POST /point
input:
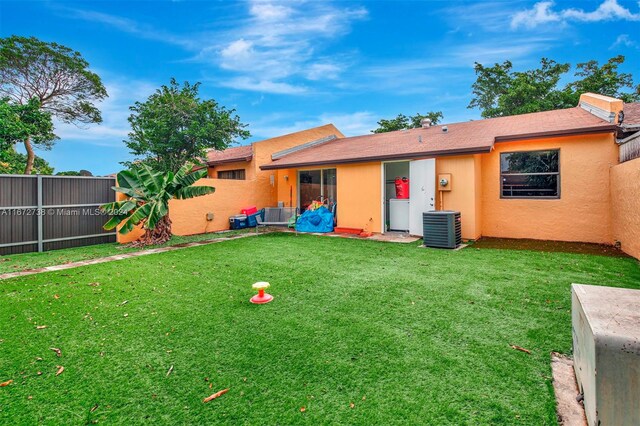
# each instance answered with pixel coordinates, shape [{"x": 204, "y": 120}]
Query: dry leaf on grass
[
  {"x": 215, "y": 395},
  {"x": 352, "y": 405},
  {"x": 521, "y": 349},
  {"x": 94, "y": 408},
  {"x": 40, "y": 327},
  {"x": 57, "y": 351},
  {"x": 55, "y": 296},
  {"x": 302, "y": 409},
  {"x": 60, "y": 370},
  {"x": 7, "y": 383},
  {"x": 170, "y": 370}
]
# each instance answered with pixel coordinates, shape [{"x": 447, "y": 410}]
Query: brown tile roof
[
  {"x": 467, "y": 137},
  {"x": 230, "y": 155},
  {"x": 631, "y": 113}
]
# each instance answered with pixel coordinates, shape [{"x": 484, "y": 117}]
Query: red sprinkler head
[{"x": 261, "y": 297}]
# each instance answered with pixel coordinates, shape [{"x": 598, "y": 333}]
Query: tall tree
[
  {"x": 491, "y": 84},
  {"x": 56, "y": 76},
  {"x": 174, "y": 126},
  {"x": 534, "y": 90},
  {"x": 12, "y": 162},
  {"x": 401, "y": 122},
  {"x": 605, "y": 80},
  {"x": 20, "y": 123},
  {"x": 499, "y": 91}
]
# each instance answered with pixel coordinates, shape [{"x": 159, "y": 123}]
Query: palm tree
[{"x": 148, "y": 193}]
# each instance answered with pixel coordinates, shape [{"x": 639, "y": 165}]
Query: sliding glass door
[{"x": 317, "y": 185}]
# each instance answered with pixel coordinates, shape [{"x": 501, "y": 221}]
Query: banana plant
[{"x": 148, "y": 193}]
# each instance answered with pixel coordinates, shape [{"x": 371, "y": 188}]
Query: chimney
[
  {"x": 425, "y": 122},
  {"x": 603, "y": 107}
]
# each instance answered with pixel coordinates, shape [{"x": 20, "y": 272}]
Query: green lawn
[
  {"x": 21, "y": 262},
  {"x": 359, "y": 332}
]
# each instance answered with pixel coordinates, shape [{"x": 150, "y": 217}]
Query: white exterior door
[{"x": 422, "y": 192}]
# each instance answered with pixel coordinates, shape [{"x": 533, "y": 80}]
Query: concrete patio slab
[{"x": 570, "y": 411}]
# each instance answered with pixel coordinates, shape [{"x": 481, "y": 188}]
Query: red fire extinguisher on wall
[{"x": 402, "y": 187}]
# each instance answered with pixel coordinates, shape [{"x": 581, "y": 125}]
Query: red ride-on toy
[{"x": 261, "y": 297}]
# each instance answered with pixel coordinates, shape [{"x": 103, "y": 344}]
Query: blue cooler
[{"x": 238, "y": 221}]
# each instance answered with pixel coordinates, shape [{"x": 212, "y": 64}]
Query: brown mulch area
[{"x": 548, "y": 246}]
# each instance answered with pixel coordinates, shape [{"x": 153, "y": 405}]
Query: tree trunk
[
  {"x": 30, "y": 156},
  {"x": 159, "y": 235}
]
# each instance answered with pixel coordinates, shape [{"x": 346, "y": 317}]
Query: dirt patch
[{"x": 548, "y": 246}]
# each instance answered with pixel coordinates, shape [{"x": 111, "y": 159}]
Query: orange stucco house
[
  {"x": 544, "y": 175},
  {"x": 239, "y": 182},
  {"x": 551, "y": 175}
]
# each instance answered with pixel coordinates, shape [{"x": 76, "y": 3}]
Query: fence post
[{"x": 40, "y": 213}]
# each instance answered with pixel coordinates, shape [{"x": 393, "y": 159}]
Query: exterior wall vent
[{"x": 442, "y": 229}]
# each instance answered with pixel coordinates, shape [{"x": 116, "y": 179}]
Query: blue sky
[{"x": 286, "y": 66}]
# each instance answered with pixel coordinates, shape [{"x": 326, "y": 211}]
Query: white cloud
[
  {"x": 354, "y": 124},
  {"x": 543, "y": 13},
  {"x": 492, "y": 50},
  {"x": 277, "y": 44},
  {"x": 238, "y": 55},
  {"x": 267, "y": 50},
  {"x": 270, "y": 12},
  {"x": 490, "y": 16},
  {"x": 321, "y": 71},
  {"x": 130, "y": 26},
  {"x": 258, "y": 101},
  {"x": 623, "y": 40},
  {"x": 263, "y": 85},
  {"x": 609, "y": 10},
  {"x": 357, "y": 123},
  {"x": 448, "y": 67}
]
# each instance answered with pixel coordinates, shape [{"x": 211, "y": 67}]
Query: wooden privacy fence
[{"x": 40, "y": 213}]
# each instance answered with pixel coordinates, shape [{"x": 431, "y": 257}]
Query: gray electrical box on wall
[{"x": 606, "y": 352}]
